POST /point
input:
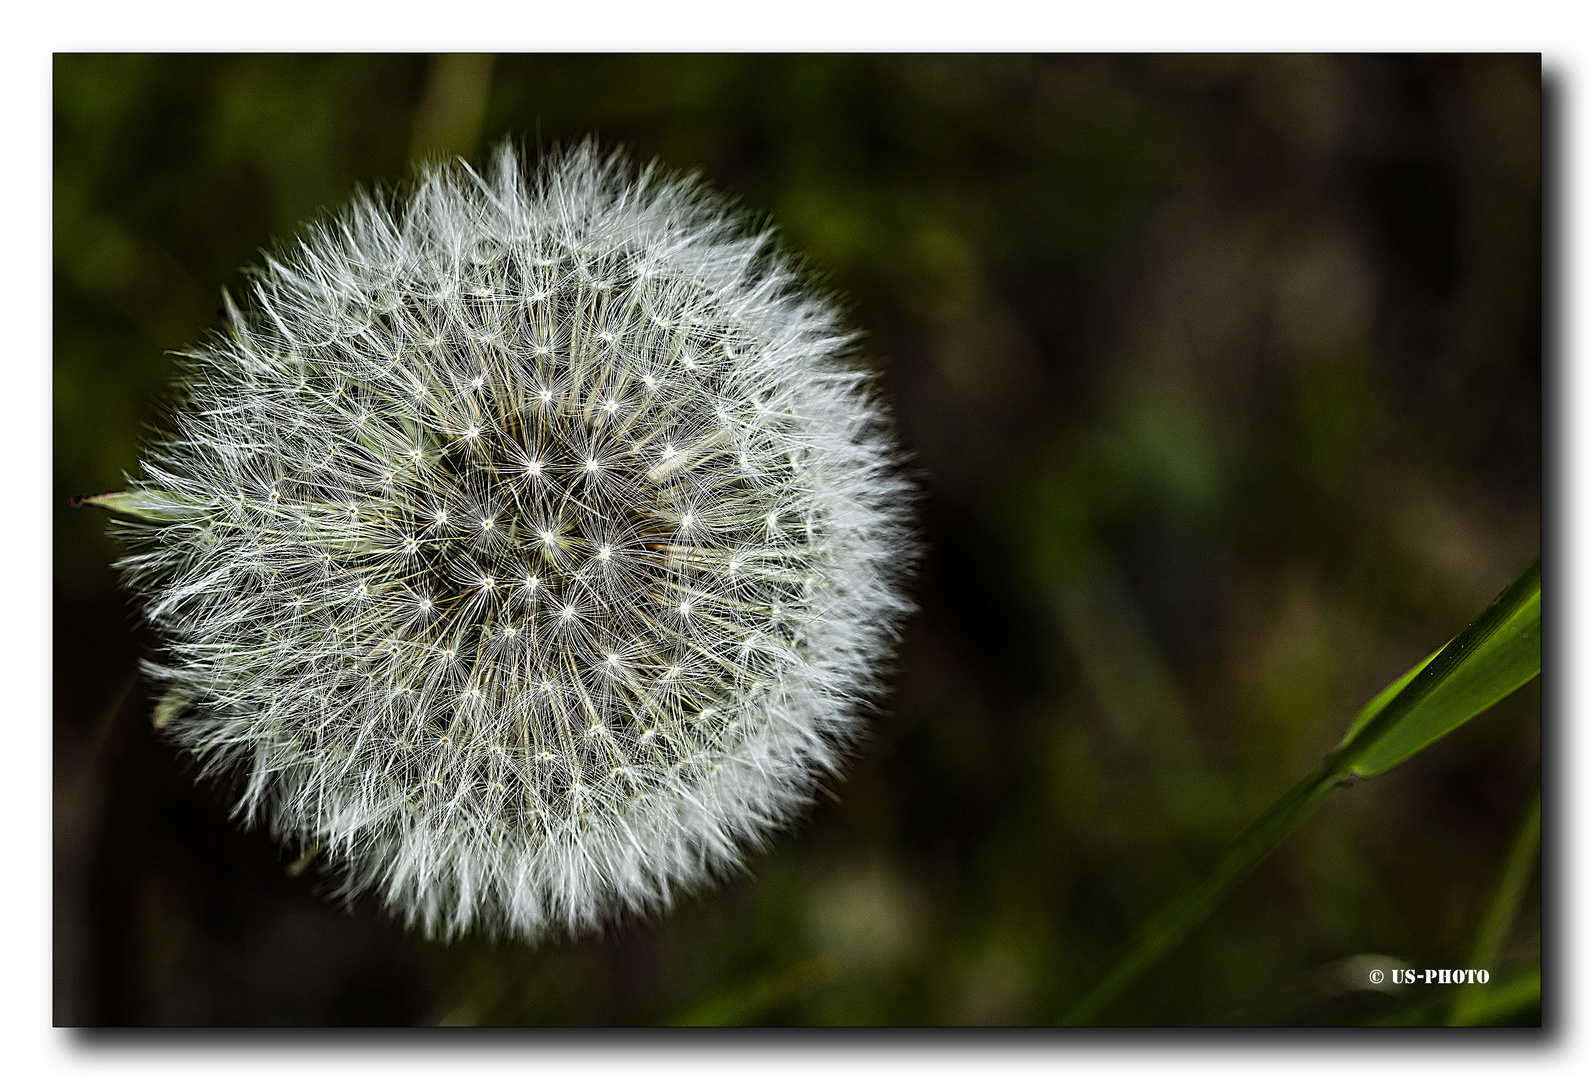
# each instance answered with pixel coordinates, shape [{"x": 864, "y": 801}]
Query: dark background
[{"x": 1223, "y": 379}]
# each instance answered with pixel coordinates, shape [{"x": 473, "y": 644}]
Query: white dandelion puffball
[{"x": 527, "y": 544}]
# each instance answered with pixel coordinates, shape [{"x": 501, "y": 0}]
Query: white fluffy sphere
[{"x": 528, "y": 543}]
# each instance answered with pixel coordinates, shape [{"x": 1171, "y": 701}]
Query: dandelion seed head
[{"x": 575, "y": 698}]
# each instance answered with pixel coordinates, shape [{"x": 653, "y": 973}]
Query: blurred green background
[{"x": 1222, "y": 377}]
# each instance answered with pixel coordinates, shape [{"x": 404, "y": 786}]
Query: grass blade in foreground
[
  {"x": 1504, "y": 1000},
  {"x": 1494, "y": 655},
  {"x": 1470, "y": 1001},
  {"x": 749, "y": 1004}
]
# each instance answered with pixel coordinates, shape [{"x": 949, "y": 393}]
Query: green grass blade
[
  {"x": 1165, "y": 932},
  {"x": 1501, "y": 913},
  {"x": 1503, "y": 1000},
  {"x": 1376, "y": 706},
  {"x": 1493, "y": 656},
  {"x": 749, "y": 1004}
]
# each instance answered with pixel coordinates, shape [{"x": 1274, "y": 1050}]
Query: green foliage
[
  {"x": 1479, "y": 1003},
  {"x": 1500, "y": 1001},
  {"x": 1494, "y": 655},
  {"x": 751, "y": 1003}
]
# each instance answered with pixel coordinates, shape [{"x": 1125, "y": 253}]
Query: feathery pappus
[{"x": 529, "y": 542}]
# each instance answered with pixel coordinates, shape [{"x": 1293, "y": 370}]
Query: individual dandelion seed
[{"x": 526, "y": 544}]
